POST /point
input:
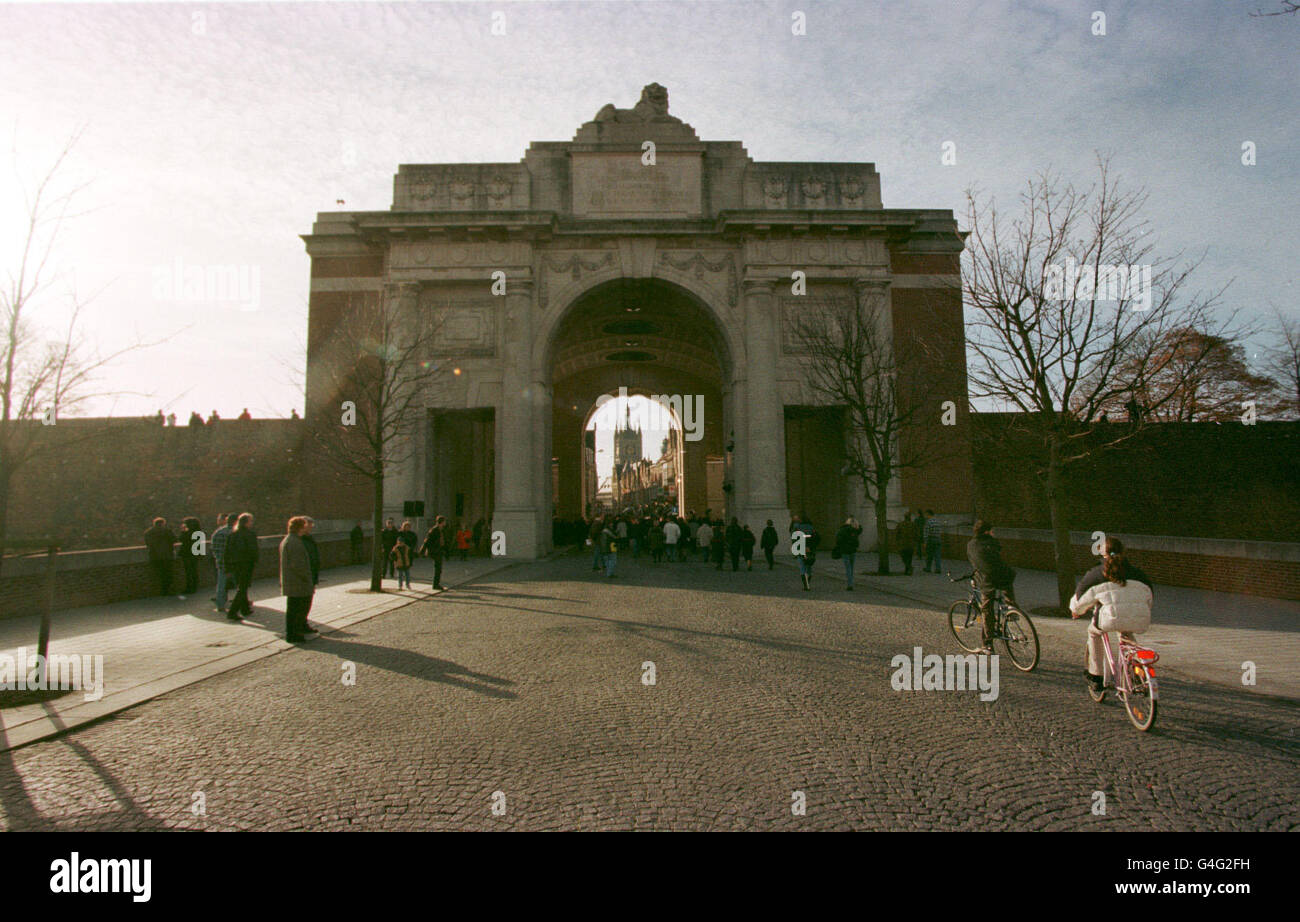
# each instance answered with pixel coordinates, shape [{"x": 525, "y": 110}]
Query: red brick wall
[
  {"x": 116, "y": 582},
  {"x": 1278, "y": 579}
]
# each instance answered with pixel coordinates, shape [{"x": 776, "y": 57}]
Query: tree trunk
[
  {"x": 881, "y": 503},
  {"x": 4, "y": 513},
  {"x": 377, "y": 545},
  {"x": 1056, "y": 500}
]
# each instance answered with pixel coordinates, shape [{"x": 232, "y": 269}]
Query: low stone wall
[
  {"x": 116, "y": 574},
  {"x": 1263, "y": 568}
]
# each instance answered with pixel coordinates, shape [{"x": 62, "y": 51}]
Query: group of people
[
  {"x": 401, "y": 546},
  {"x": 676, "y": 538},
  {"x": 233, "y": 551}
]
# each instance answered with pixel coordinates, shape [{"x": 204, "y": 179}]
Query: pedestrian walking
[
  {"x": 747, "y": 542},
  {"x": 402, "y": 563},
  {"x": 159, "y": 542},
  {"x": 933, "y": 542},
  {"x": 704, "y": 540},
  {"x": 609, "y": 549},
  {"x": 805, "y": 550},
  {"x": 655, "y": 538},
  {"x": 388, "y": 537},
  {"x": 735, "y": 538},
  {"x": 296, "y": 583},
  {"x": 435, "y": 546},
  {"x": 220, "y": 537},
  {"x": 672, "y": 534},
  {"x": 356, "y": 537},
  {"x": 768, "y": 542},
  {"x": 241, "y": 559},
  {"x": 847, "y": 539},
  {"x": 905, "y": 538},
  {"x": 919, "y": 521},
  {"x": 717, "y": 550},
  {"x": 463, "y": 538}
]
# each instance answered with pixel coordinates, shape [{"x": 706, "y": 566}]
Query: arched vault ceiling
[{"x": 637, "y": 323}]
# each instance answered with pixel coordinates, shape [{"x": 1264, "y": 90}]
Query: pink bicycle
[{"x": 1132, "y": 669}]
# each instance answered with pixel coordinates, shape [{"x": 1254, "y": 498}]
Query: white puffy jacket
[{"x": 1123, "y": 608}]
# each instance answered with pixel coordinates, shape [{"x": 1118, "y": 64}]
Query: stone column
[
  {"x": 515, "y": 510},
  {"x": 405, "y": 480},
  {"x": 764, "y": 492}
]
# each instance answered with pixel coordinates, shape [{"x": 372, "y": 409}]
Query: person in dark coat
[
  {"x": 313, "y": 549},
  {"x": 435, "y": 546},
  {"x": 159, "y": 541},
  {"x": 991, "y": 572},
  {"x": 735, "y": 538},
  {"x": 241, "y": 560},
  {"x": 189, "y": 559},
  {"x": 802, "y": 526},
  {"x": 388, "y": 538},
  {"x": 747, "y": 542},
  {"x": 356, "y": 537},
  {"x": 905, "y": 538},
  {"x": 718, "y": 545},
  {"x": 768, "y": 542},
  {"x": 847, "y": 538},
  {"x": 296, "y": 580}
]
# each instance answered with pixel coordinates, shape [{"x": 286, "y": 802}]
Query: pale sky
[{"x": 213, "y": 134}]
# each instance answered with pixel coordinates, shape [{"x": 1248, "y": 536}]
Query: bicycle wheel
[
  {"x": 964, "y": 622},
  {"x": 1140, "y": 702},
  {"x": 1020, "y": 639}
]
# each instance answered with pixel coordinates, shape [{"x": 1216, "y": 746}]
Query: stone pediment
[{"x": 648, "y": 120}]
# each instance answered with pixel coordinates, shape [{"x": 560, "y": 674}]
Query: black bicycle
[{"x": 1010, "y": 625}]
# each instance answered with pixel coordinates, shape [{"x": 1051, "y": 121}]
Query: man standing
[
  {"x": 919, "y": 521},
  {"x": 769, "y": 542},
  {"x": 190, "y": 526},
  {"x": 241, "y": 560},
  {"x": 220, "y": 538},
  {"x": 159, "y": 541},
  {"x": 735, "y": 540},
  {"x": 704, "y": 540},
  {"x": 356, "y": 537},
  {"x": 296, "y": 581},
  {"x": 846, "y": 548},
  {"x": 388, "y": 539},
  {"x": 672, "y": 534},
  {"x": 435, "y": 546},
  {"x": 905, "y": 538},
  {"x": 609, "y": 549},
  {"x": 933, "y": 542}
]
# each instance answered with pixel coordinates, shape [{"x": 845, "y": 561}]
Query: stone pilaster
[
  {"x": 516, "y": 505},
  {"x": 764, "y": 494}
]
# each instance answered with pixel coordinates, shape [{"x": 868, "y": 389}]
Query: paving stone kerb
[
  {"x": 158, "y": 645},
  {"x": 529, "y": 682}
]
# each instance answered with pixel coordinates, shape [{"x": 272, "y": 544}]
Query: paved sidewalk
[
  {"x": 155, "y": 645},
  {"x": 1201, "y": 635}
]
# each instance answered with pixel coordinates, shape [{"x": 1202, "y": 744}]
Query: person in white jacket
[{"x": 1122, "y": 594}]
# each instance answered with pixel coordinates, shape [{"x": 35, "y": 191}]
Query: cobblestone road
[{"x": 529, "y": 683}]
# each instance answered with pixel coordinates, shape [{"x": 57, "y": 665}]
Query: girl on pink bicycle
[{"x": 1122, "y": 594}]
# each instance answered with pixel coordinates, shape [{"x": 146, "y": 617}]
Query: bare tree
[
  {"x": 382, "y": 363},
  {"x": 1282, "y": 361},
  {"x": 45, "y": 374},
  {"x": 854, "y": 362},
  {"x": 1069, "y": 309}
]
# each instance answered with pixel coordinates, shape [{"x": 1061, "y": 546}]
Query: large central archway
[{"x": 651, "y": 337}]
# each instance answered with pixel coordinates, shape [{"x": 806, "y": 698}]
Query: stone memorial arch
[{"x": 634, "y": 255}]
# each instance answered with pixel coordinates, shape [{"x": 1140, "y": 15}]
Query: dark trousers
[
  {"x": 735, "y": 558},
  {"x": 437, "y": 571},
  {"x": 241, "y": 605},
  {"x": 906, "y": 554},
  {"x": 356, "y": 553},
  {"x": 295, "y": 617},
  {"x": 191, "y": 565},
  {"x": 162, "y": 570},
  {"x": 767, "y": 552}
]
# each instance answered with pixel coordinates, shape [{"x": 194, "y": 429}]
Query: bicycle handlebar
[{"x": 960, "y": 579}]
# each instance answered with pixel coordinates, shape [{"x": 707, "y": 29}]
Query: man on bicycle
[
  {"x": 991, "y": 574},
  {"x": 1121, "y": 594}
]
